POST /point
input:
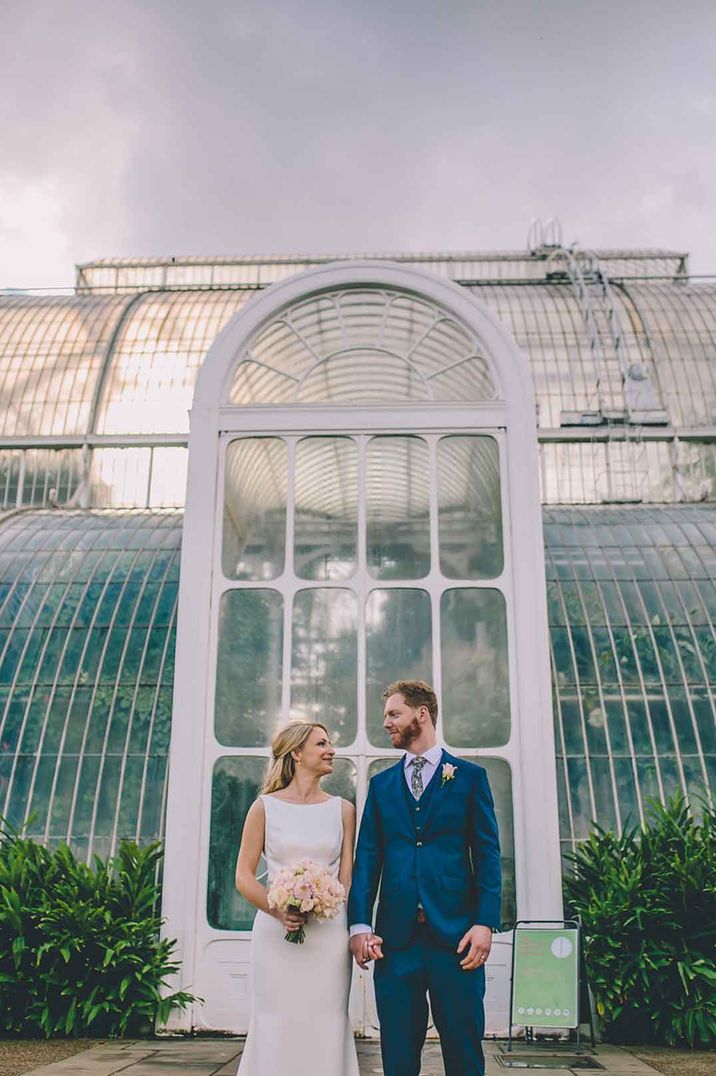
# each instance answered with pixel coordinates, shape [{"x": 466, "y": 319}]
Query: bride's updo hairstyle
[{"x": 282, "y": 765}]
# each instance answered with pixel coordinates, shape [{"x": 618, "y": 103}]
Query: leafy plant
[
  {"x": 647, "y": 902},
  {"x": 80, "y": 952}
]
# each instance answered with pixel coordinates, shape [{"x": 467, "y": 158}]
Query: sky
[{"x": 172, "y": 127}]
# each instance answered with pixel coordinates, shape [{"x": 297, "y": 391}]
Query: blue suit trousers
[{"x": 402, "y": 979}]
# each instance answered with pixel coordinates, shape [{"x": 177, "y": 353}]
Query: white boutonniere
[{"x": 448, "y": 773}]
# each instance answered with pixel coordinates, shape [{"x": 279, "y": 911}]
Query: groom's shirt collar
[{"x": 433, "y": 755}]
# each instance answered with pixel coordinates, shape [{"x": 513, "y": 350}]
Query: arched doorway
[{"x": 362, "y": 504}]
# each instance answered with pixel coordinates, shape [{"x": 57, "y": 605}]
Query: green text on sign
[{"x": 545, "y": 977}]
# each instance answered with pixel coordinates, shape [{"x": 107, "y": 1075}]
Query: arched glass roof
[
  {"x": 87, "y": 616},
  {"x": 362, "y": 345},
  {"x": 677, "y": 327},
  {"x": 108, "y": 365},
  {"x": 127, "y": 364},
  {"x": 51, "y": 355}
]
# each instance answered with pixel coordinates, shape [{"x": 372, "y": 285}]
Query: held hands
[
  {"x": 366, "y": 947},
  {"x": 478, "y": 942}
]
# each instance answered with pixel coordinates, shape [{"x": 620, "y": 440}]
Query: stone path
[{"x": 220, "y": 1057}]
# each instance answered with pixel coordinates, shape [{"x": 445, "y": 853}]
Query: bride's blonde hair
[{"x": 282, "y": 765}]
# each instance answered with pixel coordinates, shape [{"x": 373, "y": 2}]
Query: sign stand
[{"x": 546, "y": 977}]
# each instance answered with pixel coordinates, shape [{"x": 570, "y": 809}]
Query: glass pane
[
  {"x": 500, "y": 778},
  {"x": 476, "y": 703},
  {"x": 361, "y": 345},
  {"x": 248, "y": 667},
  {"x": 398, "y": 647},
  {"x": 255, "y": 491},
  {"x": 376, "y": 765},
  {"x": 324, "y": 660},
  {"x": 342, "y": 781},
  {"x": 326, "y": 508},
  {"x": 398, "y": 507},
  {"x": 234, "y": 787},
  {"x": 470, "y": 512}
]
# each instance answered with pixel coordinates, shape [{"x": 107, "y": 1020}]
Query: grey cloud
[{"x": 299, "y": 125}]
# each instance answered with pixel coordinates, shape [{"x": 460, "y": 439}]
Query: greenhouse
[{"x": 234, "y": 489}]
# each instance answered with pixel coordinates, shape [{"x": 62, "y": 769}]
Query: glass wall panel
[
  {"x": 475, "y": 677},
  {"x": 398, "y": 647},
  {"x": 634, "y": 677},
  {"x": 469, "y": 507},
  {"x": 324, "y": 685},
  {"x": 236, "y": 782},
  {"x": 248, "y": 668},
  {"x": 87, "y": 638},
  {"x": 398, "y": 507},
  {"x": 326, "y": 508},
  {"x": 255, "y": 494}
]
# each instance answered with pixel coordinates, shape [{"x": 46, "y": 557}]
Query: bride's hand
[{"x": 291, "y": 919}]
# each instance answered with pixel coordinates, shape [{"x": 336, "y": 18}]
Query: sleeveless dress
[{"x": 299, "y": 1005}]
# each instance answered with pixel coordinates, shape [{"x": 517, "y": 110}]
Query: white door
[{"x": 342, "y": 547}]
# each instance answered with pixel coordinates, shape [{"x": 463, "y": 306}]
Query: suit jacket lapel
[
  {"x": 400, "y": 792},
  {"x": 437, "y": 791}
]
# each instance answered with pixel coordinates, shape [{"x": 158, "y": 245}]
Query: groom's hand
[
  {"x": 478, "y": 942},
  {"x": 366, "y": 947}
]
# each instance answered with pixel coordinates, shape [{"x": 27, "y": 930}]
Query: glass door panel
[
  {"x": 398, "y": 645},
  {"x": 255, "y": 494},
  {"x": 398, "y": 507},
  {"x": 236, "y": 782},
  {"x": 235, "y": 785},
  {"x": 469, "y": 507},
  {"x": 324, "y": 667},
  {"x": 326, "y": 508},
  {"x": 475, "y": 671},
  {"x": 249, "y": 667}
]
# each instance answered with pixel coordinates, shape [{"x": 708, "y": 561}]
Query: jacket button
[{"x": 420, "y": 844}]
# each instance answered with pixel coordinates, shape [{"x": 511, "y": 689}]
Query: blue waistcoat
[{"x": 441, "y": 851}]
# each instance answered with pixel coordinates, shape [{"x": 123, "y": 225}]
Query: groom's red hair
[{"x": 416, "y": 693}]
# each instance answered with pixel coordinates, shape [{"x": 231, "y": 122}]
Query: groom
[{"x": 429, "y": 831}]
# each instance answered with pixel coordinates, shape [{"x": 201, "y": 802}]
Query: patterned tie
[{"x": 416, "y": 778}]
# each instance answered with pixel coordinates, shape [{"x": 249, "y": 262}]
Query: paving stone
[{"x": 220, "y": 1057}]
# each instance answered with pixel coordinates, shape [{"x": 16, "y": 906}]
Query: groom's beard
[{"x": 410, "y": 733}]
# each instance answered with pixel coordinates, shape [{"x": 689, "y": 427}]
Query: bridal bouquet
[{"x": 309, "y": 888}]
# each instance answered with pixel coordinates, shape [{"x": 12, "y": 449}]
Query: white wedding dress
[{"x": 299, "y": 1006}]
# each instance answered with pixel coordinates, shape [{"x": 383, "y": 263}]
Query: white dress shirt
[{"x": 432, "y": 757}]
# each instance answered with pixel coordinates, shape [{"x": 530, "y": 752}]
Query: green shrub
[
  {"x": 647, "y": 902},
  {"x": 80, "y": 952}
]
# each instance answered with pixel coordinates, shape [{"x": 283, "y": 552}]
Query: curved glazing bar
[
  {"x": 679, "y": 321},
  {"x": 149, "y": 385},
  {"x": 87, "y": 622},
  {"x": 362, "y": 345},
  {"x": 51, "y": 354},
  {"x": 632, "y": 610}
]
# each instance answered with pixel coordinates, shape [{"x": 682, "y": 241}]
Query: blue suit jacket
[{"x": 442, "y": 852}]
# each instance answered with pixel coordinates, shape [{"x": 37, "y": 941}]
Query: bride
[{"x": 298, "y": 987}]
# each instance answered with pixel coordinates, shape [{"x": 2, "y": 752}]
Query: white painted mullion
[
  {"x": 362, "y": 585},
  {"x": 288, "y": 580},
  {"x": 435, "y": 583}
]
